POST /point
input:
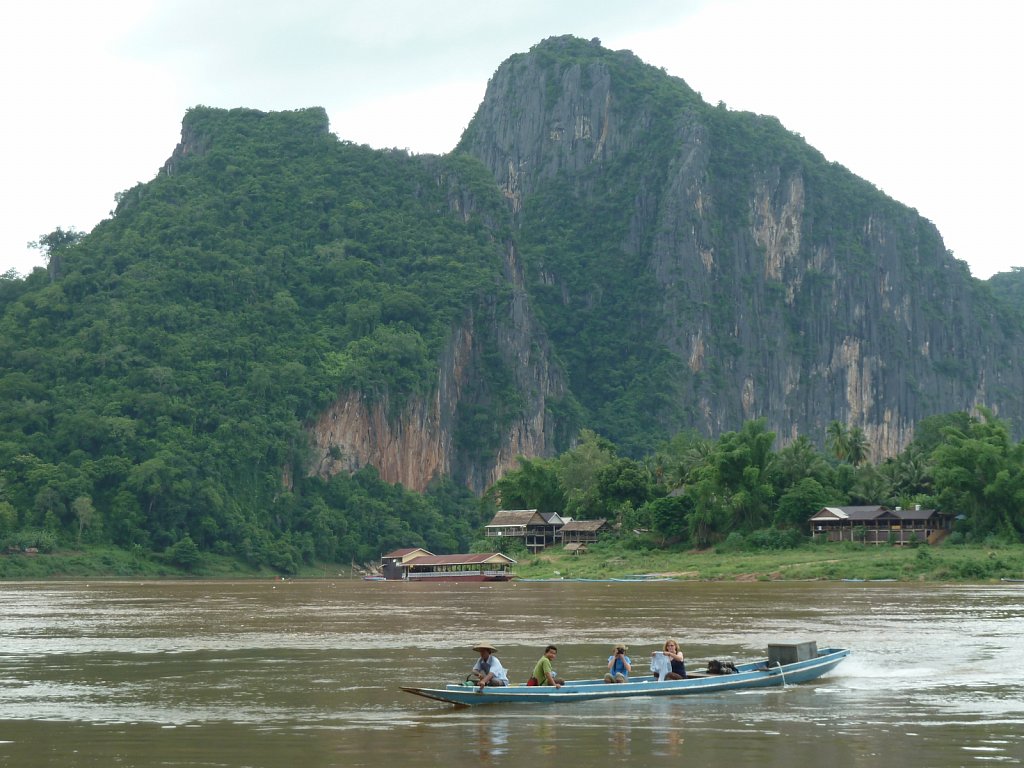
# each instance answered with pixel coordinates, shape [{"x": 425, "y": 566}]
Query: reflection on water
[{"x": 257, "y": 674}]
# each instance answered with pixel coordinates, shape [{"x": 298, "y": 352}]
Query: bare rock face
[
  {"x": 789, "y": 288},
  {"x": 418, "y": 444},
  {"x": 781, "y": 286},
  {"x": 353, "y": 433}
]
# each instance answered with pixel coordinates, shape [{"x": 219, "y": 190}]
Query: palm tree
[
  {"x": 909, "y": 473},
  {"x": 798, "y": 460},
  {"x": 837, "y": 438},
  {"x": 857, "y": 447},
  {"x": 871, "y": 487},
  {"x": 688, "y": 458}
]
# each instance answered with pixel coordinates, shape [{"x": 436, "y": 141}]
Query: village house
[
  {"x": 543, "y": 529},
  {"x": 582, "y": 531},
  {"x": 880, "y": 525}
]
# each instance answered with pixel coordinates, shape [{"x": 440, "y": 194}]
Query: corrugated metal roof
[
  {"x": 851, "y": 513},
  {"x": 916, "y": 514},
  {"x": 829, "y": 513},
  {"x": 872, "y": 513}
]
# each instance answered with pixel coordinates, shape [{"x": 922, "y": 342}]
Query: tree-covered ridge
[{"x": 165, "y": 367}]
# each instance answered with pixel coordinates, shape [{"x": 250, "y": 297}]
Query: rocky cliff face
[
  {"x": 717, "y": 249},
  {"x": 788, "y": 288},
  {"x": 419, "y": 444}
]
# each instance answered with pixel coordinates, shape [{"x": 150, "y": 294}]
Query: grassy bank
[
  {"x": 813, "y": 561},
  {"x": 967, "y": 563},
  {"x": 113, "y": 563}
]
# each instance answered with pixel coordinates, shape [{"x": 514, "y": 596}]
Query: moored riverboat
[
  {"x": 786, "y": 664},
  {"x": 419, "y": 565}
]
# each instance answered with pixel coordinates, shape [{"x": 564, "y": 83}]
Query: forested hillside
[
  {"x": 158, "y": 379},
  {"x": 287, "y": 347}
]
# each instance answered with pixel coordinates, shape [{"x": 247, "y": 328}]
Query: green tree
[
  {"x": 707, "y": 519},
  {"x": 857, "y": 447},
  {"x": 622, "y": 486},
  {"x": 929, "y": 431},
  {"x": 798, "y": 504},
  {"x": 184, "y": 554},
  {"x": 54, "y": 245},
  {"x": 668, "y": 517},
  {"x": 797, "y": 461},
  {"x": 85, "y": 513},
  {"x": 578, "y": 469},
  {"x": 741, "y": 463},
  {"x": 909, "y": 475},
  {"x": 977, "y": 473},
  {"x": 682, "y": 457},
  {"x": 871, "y": 486},
  {"x": 837, "y": 439},
  {"x": 534, "y": 485},
  {"x": 8, "y": 518}
]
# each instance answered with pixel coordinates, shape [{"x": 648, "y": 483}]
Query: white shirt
[
  {"x": 493, "y": 666},
  {"x": 661, "y": 665}
]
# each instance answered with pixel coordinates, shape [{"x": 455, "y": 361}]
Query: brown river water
[{"x": 306, "y": 673}]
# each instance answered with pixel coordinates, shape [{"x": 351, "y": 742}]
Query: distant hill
[{"x": 282, "y": 324}]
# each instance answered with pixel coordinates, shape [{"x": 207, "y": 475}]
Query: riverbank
[
  {"x": 960, "y": 563},
  {"x": 113, "y": 563},
  {"x": 967, "y": 563}
]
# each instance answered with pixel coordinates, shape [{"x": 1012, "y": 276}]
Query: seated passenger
[
  {"x": 488, "y": 670},
  {"x": 543, "y": 674},
  {"x": 619, "y": 666},
  {"x": 667, "y": 664}
]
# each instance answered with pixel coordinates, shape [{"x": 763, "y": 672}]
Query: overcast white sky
[{"x": 917, "y": 96}]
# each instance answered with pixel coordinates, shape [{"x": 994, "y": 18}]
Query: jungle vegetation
[
  {"x": 743, "y": 492},
  {"x": 158, "y": 377}
]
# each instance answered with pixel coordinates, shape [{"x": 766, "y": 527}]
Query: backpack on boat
[{"x": 716, "y": 667}]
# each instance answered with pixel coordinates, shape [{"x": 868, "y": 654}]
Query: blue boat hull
[{"x": 751, "y": 675}]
